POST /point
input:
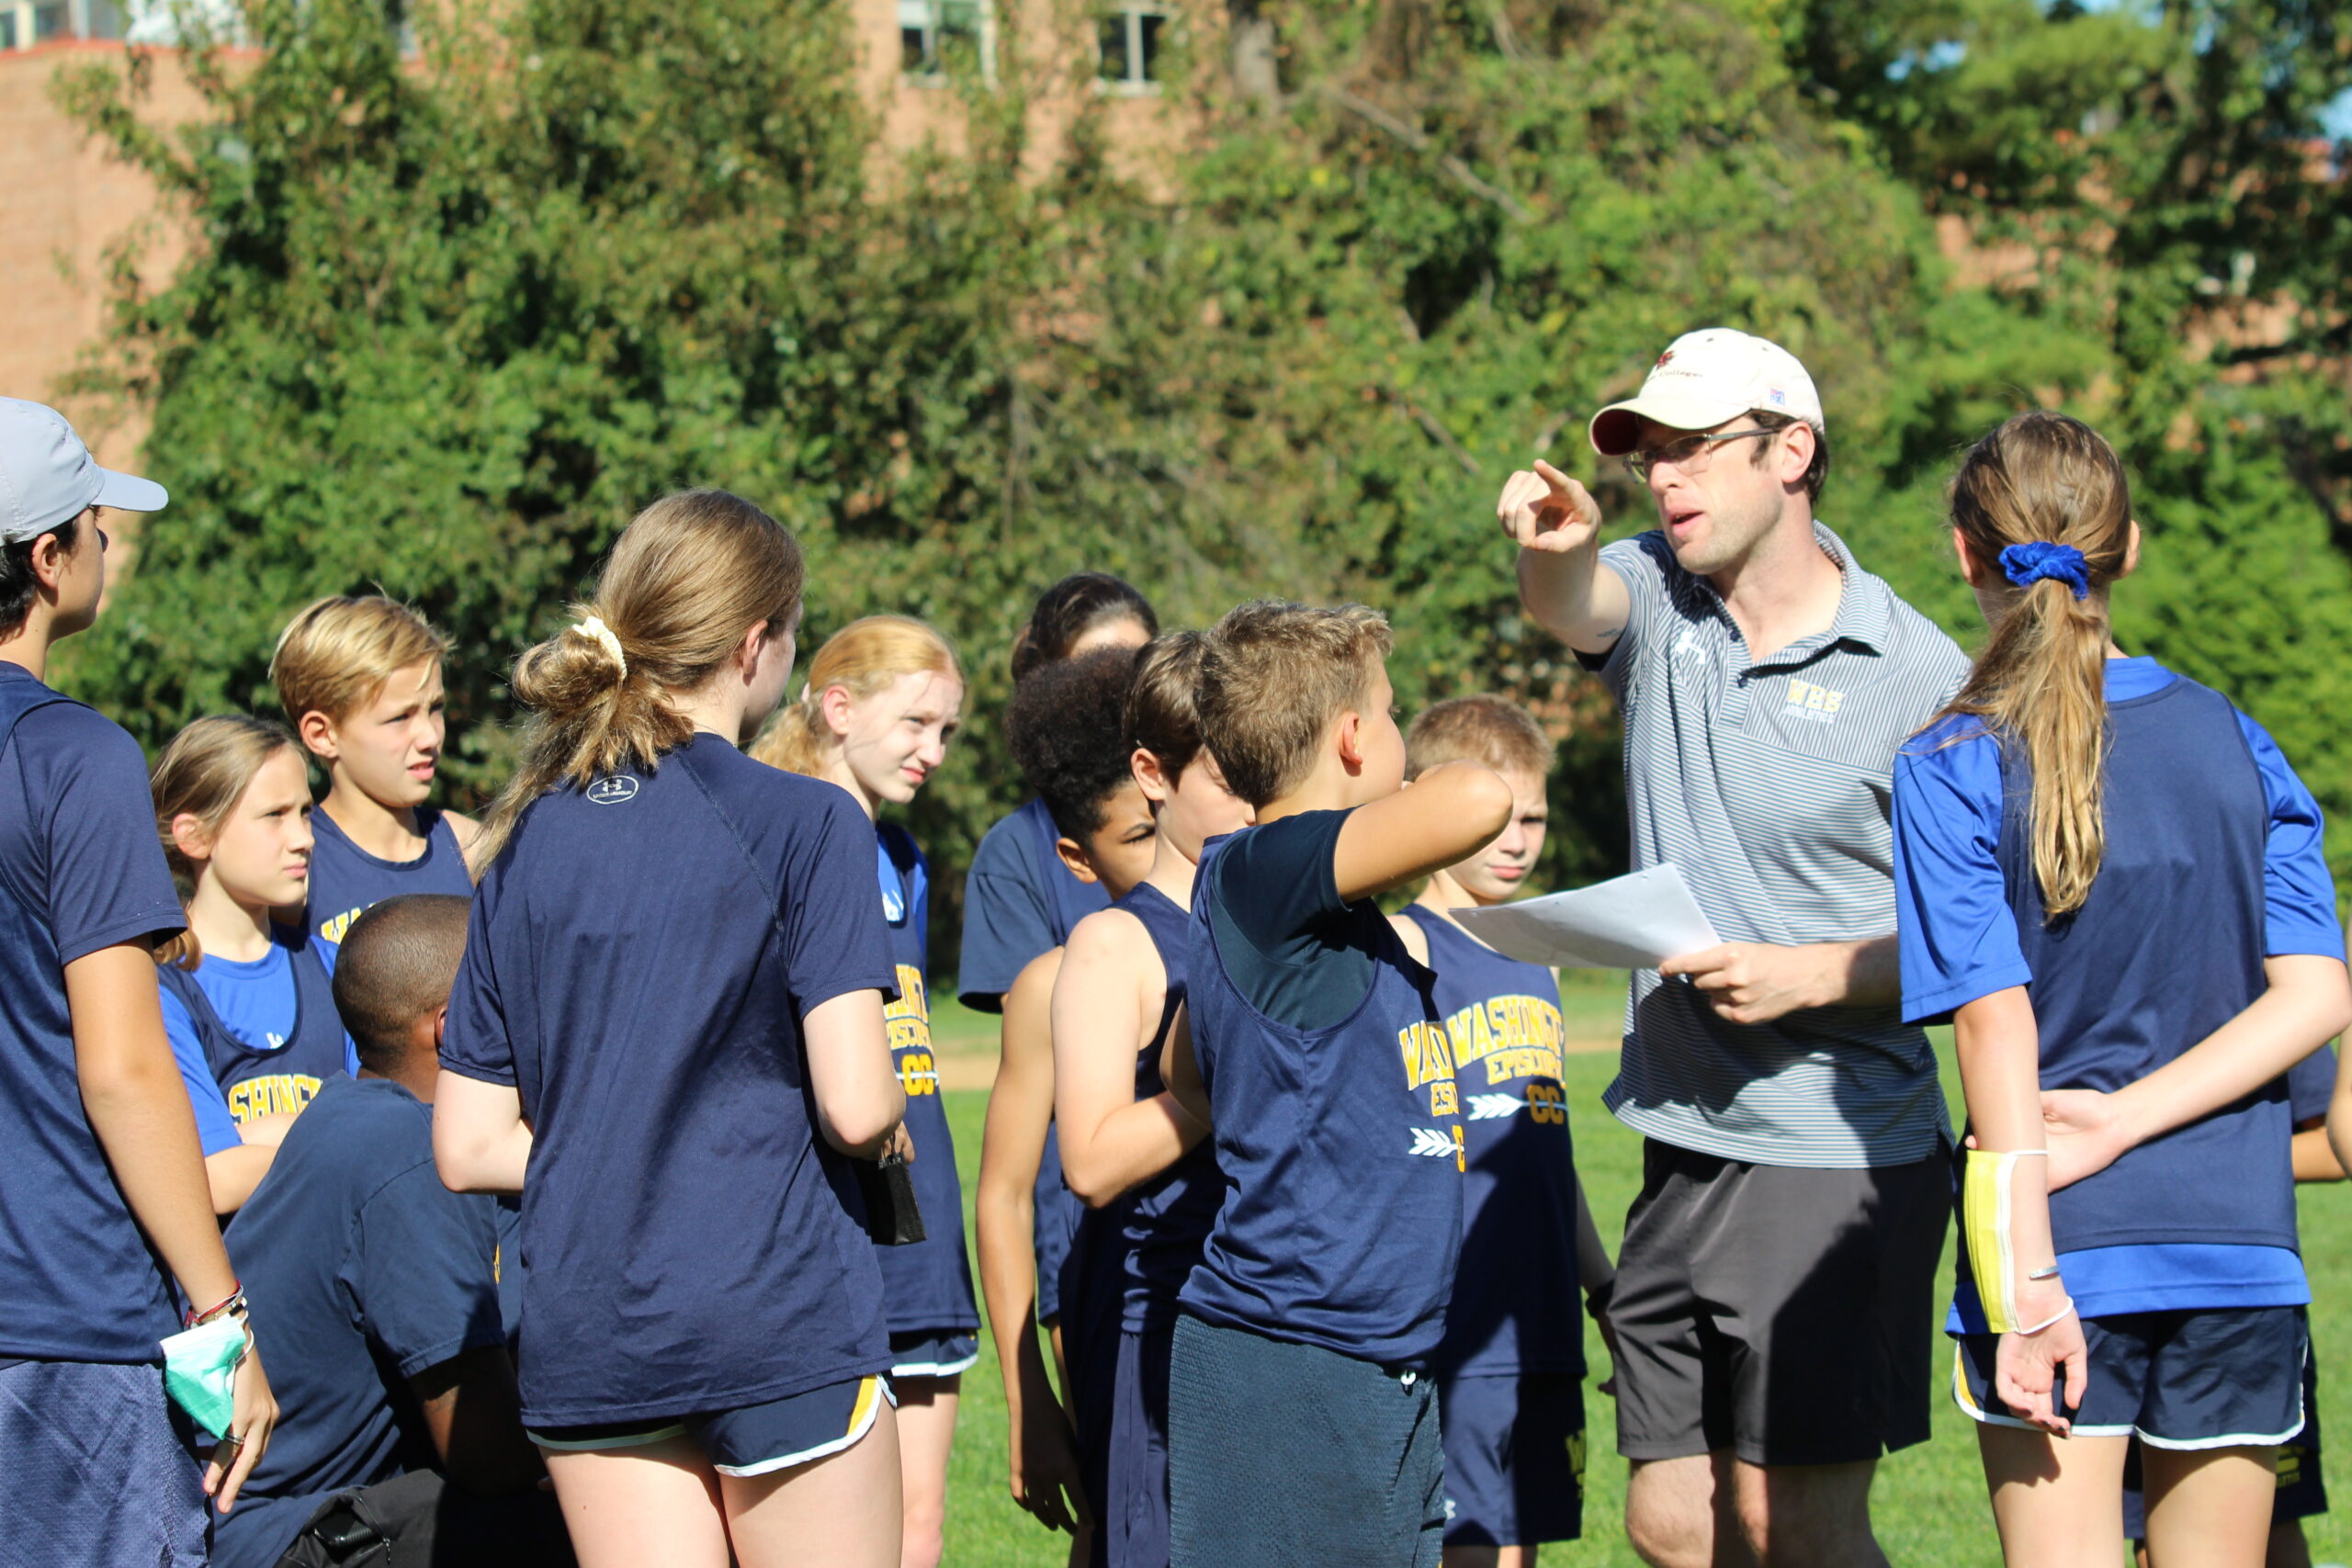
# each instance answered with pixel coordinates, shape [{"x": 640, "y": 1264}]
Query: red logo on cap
[{"x": 1663, "y": 359}]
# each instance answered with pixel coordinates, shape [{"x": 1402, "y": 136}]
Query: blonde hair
[
  {"x": 1274, "y": 677},
  {"x": 1493, "y": 730},
  {"x": 335, "y": 654},
  {"x": 687, "y": 578},
  {"x": 2041, "y": 683},
  {"x": 861, "y": 659},
  {"x": 203, "y": 774}
]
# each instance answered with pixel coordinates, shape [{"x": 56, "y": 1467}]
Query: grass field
[{"x": 1929, "y": 1503}]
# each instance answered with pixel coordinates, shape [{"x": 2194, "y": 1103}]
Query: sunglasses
[{"x": 1689, "y": 453}]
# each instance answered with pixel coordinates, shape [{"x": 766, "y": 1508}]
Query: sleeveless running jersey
[
  {"x": 926, "y": 1287},
  {"x": 258, "y": 1078},
  {"x": 1160, "y": 1226},
  {"x": 346, "y": 879},
  {"x": 1340, "y": 1149},
  {"x": 1515, "y": 1289}
]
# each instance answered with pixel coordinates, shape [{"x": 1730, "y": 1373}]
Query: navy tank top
[
  {"x": 2167, "y": 949},
  {"x": 926, "y": 1287},
  {"x": 346, "y": 879},
  {"x": 1339, "y": 1150},
  {"x": 265, "y": 1080},
  {"x": 1514, "y": 1306},
  {"x": 1161, "y": 1224}
]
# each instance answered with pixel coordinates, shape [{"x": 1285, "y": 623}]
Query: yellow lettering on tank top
[
  {"x": 1428, "y": 1056},
  {"x": 274, "y": 1094},
  {"x": 909, "y": 1022}
]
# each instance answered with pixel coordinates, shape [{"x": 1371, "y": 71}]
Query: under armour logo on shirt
[{"x": 613, "y": 791}]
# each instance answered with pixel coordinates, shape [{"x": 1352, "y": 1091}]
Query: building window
[
  {"x": 938, "y": 39},
  {"x": 1130, "y": 39}
]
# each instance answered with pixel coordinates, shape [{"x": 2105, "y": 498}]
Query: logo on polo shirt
[
  {"x": 614, "y": 790},
  {"x": 1818, "y": 704}
]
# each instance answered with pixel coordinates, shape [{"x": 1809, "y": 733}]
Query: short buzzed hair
[
  {"x": 1493, "y": 730},
  {"x": 397, "y": 963},
  {"x": 1273, "y": 678}
]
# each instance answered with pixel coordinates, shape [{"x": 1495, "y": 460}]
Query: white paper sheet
[{"x": 1629, "y": 922}]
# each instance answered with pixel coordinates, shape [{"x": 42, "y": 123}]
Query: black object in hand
[{"x": 892, "y": 1216}]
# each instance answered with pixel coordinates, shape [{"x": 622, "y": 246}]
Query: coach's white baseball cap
[
  {"x": 1705, "y": 378},
  {"x": 47, "y": 475}
]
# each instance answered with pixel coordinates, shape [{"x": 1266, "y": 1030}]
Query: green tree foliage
[{"x": 451, "y": 320}]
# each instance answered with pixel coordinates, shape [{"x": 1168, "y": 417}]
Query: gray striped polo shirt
[{"x": 1768, "y": 785}]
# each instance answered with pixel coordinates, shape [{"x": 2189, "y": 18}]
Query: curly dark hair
[{"x": 1068, "y": 726}]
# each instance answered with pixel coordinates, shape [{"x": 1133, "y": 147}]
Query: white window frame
[
  {"x": 1130, "y": 14},
  {"x": 924, "y": 14}
]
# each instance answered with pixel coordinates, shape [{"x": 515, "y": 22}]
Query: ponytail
[
  {"x": 685, "y": 579},
  {"x": 862, "y": 658},
  {"x": 203, "y": 774},
  {"x": 2045, "y": 500}
]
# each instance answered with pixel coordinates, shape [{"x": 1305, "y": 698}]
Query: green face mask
[{"x": 200, "y": 1371}]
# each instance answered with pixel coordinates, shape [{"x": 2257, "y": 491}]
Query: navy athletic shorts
[
  {"x": 1282, "y": 1453},
  {"x": 933, "y": 1353},
  {"x": 102, "y": 1467},
  {"x": 752, "y": 1440},
  {"x": 1514, "y": 1459},
  {"x": 2302, "y": 1492},
  {"x": 1122, "y": 1417},
  {"x": 2202, "y": 1379}
]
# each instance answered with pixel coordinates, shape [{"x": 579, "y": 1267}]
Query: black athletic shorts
[{"x": 1784, "y": 1313}]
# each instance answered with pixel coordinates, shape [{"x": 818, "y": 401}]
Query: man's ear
[
  {"x": 319, "y": 738},
  {"x": 1075, "y": 859},
  {"x": 1796, "y": 453},
  {"x": 440, "y": 1026}
]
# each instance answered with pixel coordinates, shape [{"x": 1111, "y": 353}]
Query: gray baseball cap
[{"x": 47, "y": 475}]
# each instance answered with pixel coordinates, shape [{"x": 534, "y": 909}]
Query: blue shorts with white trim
[
  {"x": 934, "y": 1352},
  {"x": 2217, "y": 1378},
  {"x": 754, "y": 1440}
]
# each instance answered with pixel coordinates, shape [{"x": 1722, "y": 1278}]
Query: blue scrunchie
[{"x": 2026, "y": 565}]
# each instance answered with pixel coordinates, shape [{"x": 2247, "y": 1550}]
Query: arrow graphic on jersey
[
  {"x": 1489, "y": 1107},
  {"x": 1434, "y": 1142}
]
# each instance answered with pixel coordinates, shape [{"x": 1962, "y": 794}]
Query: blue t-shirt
[
  {"x": 346, "y": 879},
  {"x": 255, "y": 1039},
  {"x": 2311, "y": 1085},
  {"x": 1339, "y": 1140},
  {"x": 1514, "y": 1306},
  {"x": 80, "y": 870},
  {"x": 1018, "y": 900},
  {"x": 2201, "y": 814},
  {"x": 364, "y": 1271},
  {"x": 637, "y": 966},
  {"x": 927, "y": 1285}
]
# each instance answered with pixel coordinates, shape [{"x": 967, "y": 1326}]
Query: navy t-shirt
[
  {"x": 1339, "y": 1138},
  {"x": 1163, "y": 1222},
  {"x": 1514, "y": 1306},
  {"x": 927, "y": 1285},
  {"x": 2201, "y": 814},
  {"x": 1018, "y": 900},
  {"x": 2311, "y": 1085},
  {"x": 363, "y": 1271},
  {"x": 637, "y": 964},
  {"x": 347, "y": 879},
  {"x": 79, "y": 870}
]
